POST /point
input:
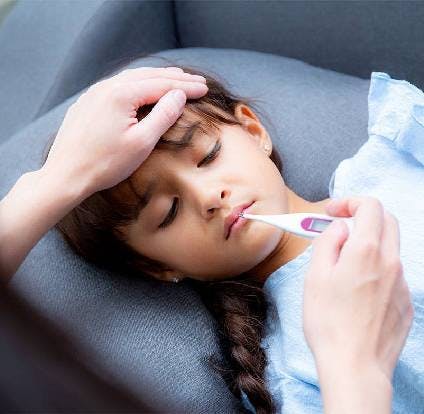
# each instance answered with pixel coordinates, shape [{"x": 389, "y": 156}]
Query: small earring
[
  {"x": 266, "y": 148},
  {"x": 175, "y": 279}
]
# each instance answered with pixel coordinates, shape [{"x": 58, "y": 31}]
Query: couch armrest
[
  {"x": 51, "y": 50},
  {"x": 35, "y": 38}
]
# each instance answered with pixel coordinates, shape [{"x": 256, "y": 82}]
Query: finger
[
  {"x": 340, "y": 207},
  {"x": 390, "y": 238},
  {"x": 145, "y": 68},
  {"x": 327, "y": 246},
  {"x": 137, "y": 74},
  {"x": 403, "y": 311},
  {"x": 163, "y": 115},
  {"x": 174, "y": 68},
  {"x": 368, "y": 213},
  {"x": 121, "y": 80},
  {"x": 120, "y": 75},
  {"x": 151, "y": 90},
  {"x": 155, "y": 67}
]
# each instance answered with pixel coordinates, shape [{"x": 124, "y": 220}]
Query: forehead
[
  {"x": 178, "y": 143},
  {"x": 191, "y": 128}
]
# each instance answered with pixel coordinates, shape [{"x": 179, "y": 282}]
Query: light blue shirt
[{"x": 390, "y": 167}]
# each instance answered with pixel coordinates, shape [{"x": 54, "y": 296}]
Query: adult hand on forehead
[{"x": 100, "y": 142}]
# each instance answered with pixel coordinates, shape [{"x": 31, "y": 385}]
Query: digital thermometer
[{"x": 307, "y": 225}]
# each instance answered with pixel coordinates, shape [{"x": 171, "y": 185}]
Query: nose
[
  {"x": 206, "y": 195},
  {"x": 208, "y": 198},
  {"x": 214, "y": 203}
]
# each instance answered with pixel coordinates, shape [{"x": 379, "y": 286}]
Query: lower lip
[{"x": 239, "y": 223}]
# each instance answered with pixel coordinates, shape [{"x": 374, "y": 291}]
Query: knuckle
[
  {"x": 81, "y": 97},
  {"x": 116, "y": 90},
  {"x": 126, "y": 72},
  {"x": 391, "y": 219},
  {"x": 362, "y": 199},
  {"x": 410, "y": 312},
  {"x": 174, "y": 68},
  {"x": 368, "y": 247},
  {"x": 167, "y": 83},
  {"x": 395, "y": 267},
  {"x": 169, "y": 112},
  {"x": 372, "y": 202},
  {"x": 318, "y": 242},
  {"x": 72, "y": 108},
  {"x": 375, "y": 203},
  {"x": 146, "y": 68},
  {"x": 116, "y": 87},
  {"x": 95, "y": 86},
  {"x": 407, "y": 312}
]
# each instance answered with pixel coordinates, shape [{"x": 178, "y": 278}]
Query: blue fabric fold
[{"x": 396, "y": 112}]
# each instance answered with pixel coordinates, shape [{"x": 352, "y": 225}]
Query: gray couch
[{"x": 307, "y": 64}]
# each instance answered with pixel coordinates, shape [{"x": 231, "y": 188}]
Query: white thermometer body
[{"x": 307, "y": 225}]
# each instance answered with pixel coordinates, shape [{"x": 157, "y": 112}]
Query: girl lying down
[{"x": 171, "y": 220}]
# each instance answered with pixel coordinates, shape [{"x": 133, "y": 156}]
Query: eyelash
[{"x": 208, "y": 159}]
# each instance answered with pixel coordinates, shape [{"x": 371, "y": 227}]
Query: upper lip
[{"x": 233, "y": 216}]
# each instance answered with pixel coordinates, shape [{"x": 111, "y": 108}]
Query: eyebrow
[{"x": 185, "y": 142}]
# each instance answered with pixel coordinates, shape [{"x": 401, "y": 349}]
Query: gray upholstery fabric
[
  {"x": 353, "y": 37},
  {"x": 151, "y": 338},
  {"x": 34, "y": 40},
  {"x": 40, "y": 38},
  {"x": 119, "y": 31}
]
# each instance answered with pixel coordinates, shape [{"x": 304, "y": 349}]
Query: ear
[
  {"x": 253, "y": 126},
  {"x": 167, "y": 275}
]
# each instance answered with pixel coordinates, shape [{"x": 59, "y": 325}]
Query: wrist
[
  {"x": 36, "y": 202},
  {"x": 354, "y": 386},
  {"x": 70, "y": 189}
]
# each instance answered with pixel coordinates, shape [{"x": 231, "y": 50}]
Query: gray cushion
[
  {"x": 73, "y": 41},
  {"x": 153, "y": 339},
  {"x": 34, "y": 40},
  {"x": 118, "y": 31},
  {"x": 353, "y": 37},
  {"x": 40, "y": 40}
]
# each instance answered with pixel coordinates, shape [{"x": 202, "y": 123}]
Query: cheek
[
  {"x": 193, "y": 258},
  {"x": 180, "y": 241}
]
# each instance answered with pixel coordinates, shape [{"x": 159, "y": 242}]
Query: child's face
[{"x": 193, "y": 244}]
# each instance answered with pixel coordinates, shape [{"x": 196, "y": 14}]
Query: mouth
[{"x": 234, "y": 217}]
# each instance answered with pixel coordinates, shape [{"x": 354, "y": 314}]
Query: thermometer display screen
[{"x": 319, "y": 225}]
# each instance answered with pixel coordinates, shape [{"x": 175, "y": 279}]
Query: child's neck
[{"x": 290, "y": 246}]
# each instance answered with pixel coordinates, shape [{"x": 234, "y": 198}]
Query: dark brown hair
[{"x": 238, "y": 305}]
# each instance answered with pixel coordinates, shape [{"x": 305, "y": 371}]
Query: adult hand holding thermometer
[
  {"x": 307, "y": 225},
  {"x": 357, "y": 309}
]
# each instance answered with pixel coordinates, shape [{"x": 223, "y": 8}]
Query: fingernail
[
  {"x": 179, "y": 96},
  {"x": 336, "y": 225},
  {"x": 199, "y": 78}
]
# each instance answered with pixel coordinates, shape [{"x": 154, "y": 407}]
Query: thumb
[
  {"x": 163, "y": 115},
  {"x": 327, "y": 246}
]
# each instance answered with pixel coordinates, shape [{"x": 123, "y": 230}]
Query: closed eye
[{"x": 174, "y": 208}]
